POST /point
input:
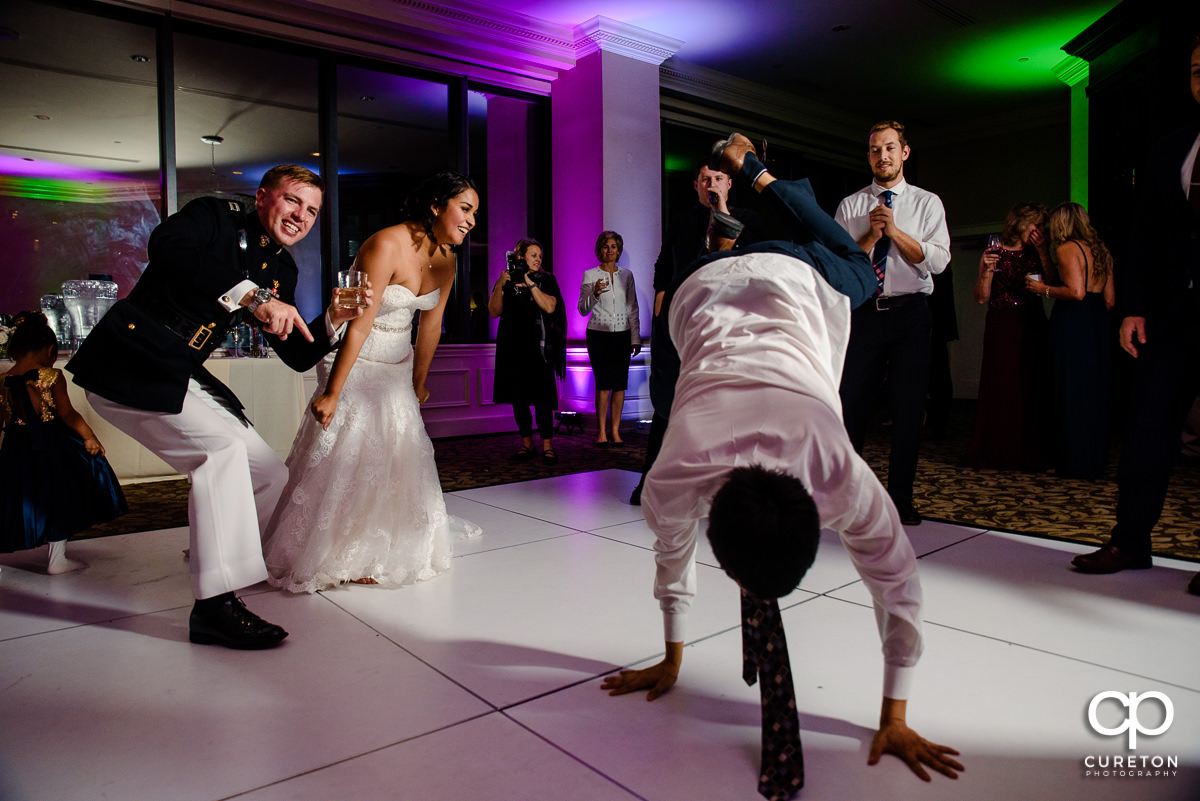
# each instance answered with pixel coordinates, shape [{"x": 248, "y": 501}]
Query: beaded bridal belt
[{"x": 388, "y": 329}]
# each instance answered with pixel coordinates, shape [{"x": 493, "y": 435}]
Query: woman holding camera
[
  {"x": 530, "y": 346},
  {"x": 607, "y": 294}
]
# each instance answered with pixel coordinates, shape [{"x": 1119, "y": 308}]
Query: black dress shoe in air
[
  {"x": 225, "y": 620},
  {"x": 1110, "y": 559}
]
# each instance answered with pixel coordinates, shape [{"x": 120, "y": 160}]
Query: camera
[{"x": 518, "y": 269}]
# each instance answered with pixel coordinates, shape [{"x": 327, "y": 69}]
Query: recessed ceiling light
[
  {"x": 316, "y": 154},
  {"x": 40, "y": 117},
  {"x": 139, "y": 58},
  {"x": 237, "y": 172}
]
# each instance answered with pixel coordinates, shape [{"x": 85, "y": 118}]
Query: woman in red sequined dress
[{"x": 1010, "y": 425}]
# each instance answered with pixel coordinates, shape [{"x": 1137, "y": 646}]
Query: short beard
[{"x": 880, "y": 176}]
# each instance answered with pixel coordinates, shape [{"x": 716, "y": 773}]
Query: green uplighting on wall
[
  {"x": 1019, "y": 59},
  {"x": 677, "y": 163},
  {"x": 66, "y": 190}
]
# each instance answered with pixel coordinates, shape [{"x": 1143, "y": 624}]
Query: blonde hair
[
  {"x": 277, "y": 176},
  {"x": 1021, "y": 217},
  {"x": 891, "y": 125},
  {"x": 1070, "y": 222}
]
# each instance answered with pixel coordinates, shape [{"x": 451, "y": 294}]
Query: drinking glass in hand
[
  {"x": 352, "y": 289},
  {"x": 993, "y": 244}
]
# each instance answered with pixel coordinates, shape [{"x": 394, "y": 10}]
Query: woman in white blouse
[{"x": 608, "y": 295}]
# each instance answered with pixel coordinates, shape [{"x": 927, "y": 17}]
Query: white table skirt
[{"x": 272, "y": 392}]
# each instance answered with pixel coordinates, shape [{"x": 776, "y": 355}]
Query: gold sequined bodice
[{"x": 44, "y": 387}]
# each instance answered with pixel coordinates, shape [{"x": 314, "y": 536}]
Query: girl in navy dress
[{"x": 54, "y": 479}]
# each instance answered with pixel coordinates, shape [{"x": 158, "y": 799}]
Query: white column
[{"x": 607, "y": 172}]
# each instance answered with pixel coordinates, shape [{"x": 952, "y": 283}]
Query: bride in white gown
[{"x": 363, "y": 502}]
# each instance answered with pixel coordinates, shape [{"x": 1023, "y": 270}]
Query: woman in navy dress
[{"x": 1080, "y": 344}]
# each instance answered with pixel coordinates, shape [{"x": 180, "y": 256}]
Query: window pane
[
  {"x": 393, "y": 131},
  {"x": 263, "y": 105},
  {"x": 79, "y": 178},
  {"x": 508, "y": 164}
]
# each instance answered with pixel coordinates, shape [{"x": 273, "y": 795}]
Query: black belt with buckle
[
  {"x": 886, "y": 302},
  {"x": 197, "y": 336}
]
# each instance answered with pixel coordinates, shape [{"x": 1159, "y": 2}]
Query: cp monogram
[{"x": 1131, "y": 723}]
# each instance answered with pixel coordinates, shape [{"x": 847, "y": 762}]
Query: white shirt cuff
[
  {"x": 334, "y": 334},
  {"x": 232, "y": 300},
  {"x": 673, "y": 626},
  {"x": 897, "y": 681}
]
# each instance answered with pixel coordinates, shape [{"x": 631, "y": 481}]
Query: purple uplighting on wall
[{"x": 37, "y": 168}]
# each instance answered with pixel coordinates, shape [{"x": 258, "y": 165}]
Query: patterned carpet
[{"x": 1024, "y": 503}]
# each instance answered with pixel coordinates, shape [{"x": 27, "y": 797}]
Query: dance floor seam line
[
  {"x": 568, "y": 533},
  {"x": 415, "y": 656},
  {"x": 1056, "y": 654},
  {"x": 572, "y": 529},
  {"x": 956, "y": 543},
  {"x": 1034, "y": 535},
  {"x": 574, "y": 757},
  {"x": 359, "y": 755}
]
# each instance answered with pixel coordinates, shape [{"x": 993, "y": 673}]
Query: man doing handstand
[{"x": 748, "y": 359}]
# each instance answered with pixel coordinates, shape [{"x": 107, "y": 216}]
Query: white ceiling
[{"x": 902, "y": 59}]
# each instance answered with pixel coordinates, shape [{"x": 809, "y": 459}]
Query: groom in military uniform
[{"x": 212, "y": 266}]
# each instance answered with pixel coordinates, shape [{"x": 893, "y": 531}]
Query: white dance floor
[{"x": 485, "y": 682}]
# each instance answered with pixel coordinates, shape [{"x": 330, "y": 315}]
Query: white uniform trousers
[{"x": 236, "y": 482}]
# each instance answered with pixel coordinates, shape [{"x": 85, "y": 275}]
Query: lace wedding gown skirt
[{"x": 363, "y": 498}]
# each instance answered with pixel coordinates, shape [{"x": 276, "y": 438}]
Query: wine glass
[{"x": 993, "y": 244}]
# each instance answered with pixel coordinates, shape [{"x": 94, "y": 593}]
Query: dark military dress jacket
[{"x": 143, "y": 351}]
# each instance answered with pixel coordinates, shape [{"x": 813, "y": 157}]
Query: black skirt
[{"x": 609, "y": 353}]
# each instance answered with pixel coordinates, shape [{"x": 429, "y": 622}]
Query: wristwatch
[{"x": 261, "y": 296}]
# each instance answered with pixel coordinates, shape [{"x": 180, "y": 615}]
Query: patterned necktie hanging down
[
  {"x": 765, "y": 656},
  {"x": 880, "y": 251}
]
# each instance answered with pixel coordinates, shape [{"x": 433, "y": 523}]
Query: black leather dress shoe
[
  {"x": 635, "y": 499},
  {"x": 909, "y": 515},
  {"x": 1194, "y": 585},
  {"x": 1109, "y": 559},
  {"x": 225, "y": 620}
]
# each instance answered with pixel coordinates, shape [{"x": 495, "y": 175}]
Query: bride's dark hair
[{"x": 434, "y": 193}]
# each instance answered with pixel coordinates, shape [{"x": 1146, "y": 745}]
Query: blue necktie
[{"x": 879, "y": 253}]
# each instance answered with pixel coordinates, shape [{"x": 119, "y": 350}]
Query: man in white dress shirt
[
  {"x": 904, "y": 229},
  {"x": 758, "y": 336}
]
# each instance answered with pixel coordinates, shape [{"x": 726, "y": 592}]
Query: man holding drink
[{"x": 212, "y": 266}]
